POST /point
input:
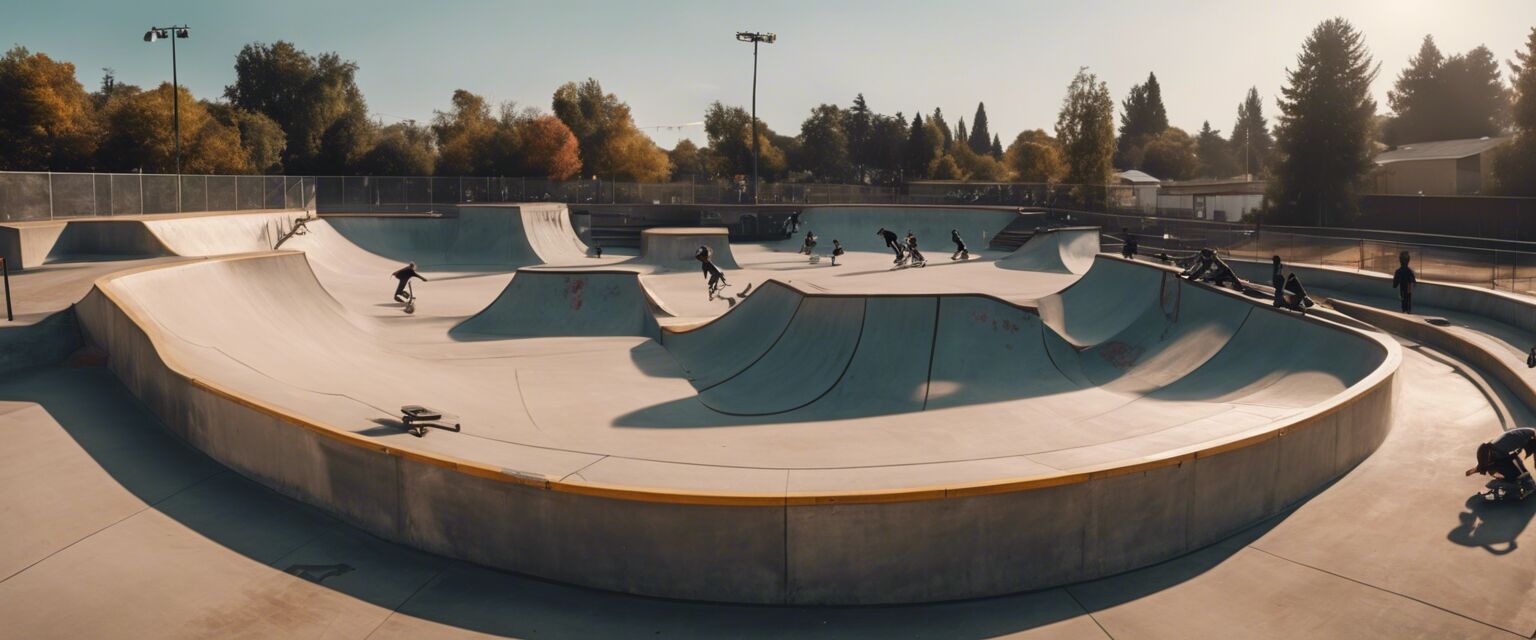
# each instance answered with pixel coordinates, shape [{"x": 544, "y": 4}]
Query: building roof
[
  {"x": 1439, "y": 150},
  {"x": 1219, "y": 187},
  {"x": 1136, "y": 177}
]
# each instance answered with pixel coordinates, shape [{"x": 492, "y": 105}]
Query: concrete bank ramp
[
  {"x": 502, "y": 236},
  {"x": 1064, "y": 250},
  {"x": 806, "y": 356},
  {"x": 548, "y": 303},
  {"x": 673, "y": 248},
  {"x": 856, "y": 227},
  {"x": 34, "y": 244}
]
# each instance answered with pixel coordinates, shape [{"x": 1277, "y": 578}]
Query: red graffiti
[
  {"x": 1119, "y": 354},
  {"x": 573, "y": 289}
]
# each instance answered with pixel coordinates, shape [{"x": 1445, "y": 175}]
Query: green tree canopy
[
  {"x": 47, "y": 120},
  {"x": 611, "y": 145},
  {"x": 730, "y": 137},
  {"x": 139, "y": 127},
  {"x": 824, "y": 145},
  {"x": 1324, "y": 136},
  {"x": 981, "y": 139},
  {"x": 314, "y": 99},
  {"x": 1215, "y": 154},
  {"x": 1142, "y": 117},
  {"x": 921, "y": 150},
  {"x": 937, "y": 120},
  {"x": 1085, "y": 128},
  {"x": 1252, "y": 145},
  {"x": 1515, "y": 163},
  {"x": 1440, "y": 98},
  {"x": 1034, "y": 156},
  {"x": 401, "y": 149},
  {"x": 1170, "y": 155}
]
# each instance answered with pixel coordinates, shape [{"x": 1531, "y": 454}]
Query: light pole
[
  {"x": 173, "y": 34},
  {"x": 755, "y": 38}
]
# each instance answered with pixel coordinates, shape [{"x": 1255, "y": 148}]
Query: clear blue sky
[{"x": 670, "y": 59}]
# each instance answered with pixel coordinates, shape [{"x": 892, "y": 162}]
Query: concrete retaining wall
[{"x": 937, "y": 543}]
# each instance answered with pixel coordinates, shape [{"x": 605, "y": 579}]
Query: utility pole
[
  {"x": 173, "y": 34},
  {"x": 755, "y": 38}
]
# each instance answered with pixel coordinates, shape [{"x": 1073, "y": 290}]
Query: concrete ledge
[{"x": 924, "y": 544}]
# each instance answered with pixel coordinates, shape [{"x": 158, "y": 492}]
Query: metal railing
[{"x": 26, "y": 196}]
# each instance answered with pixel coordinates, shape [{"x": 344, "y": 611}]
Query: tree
[
  {"x": 937, "y": 120},
  {"x": 138, "y": 136},
  {"x": 1252, "y": 146},
  {"x": 465, "y": 135},
  {"x": 1085, "y": 128},
  {"x": 549, "y": 148},
  {"x": 1326, "y": 117},
  {"x": 1439, "y": 98},
  {"x": 1514, "y": 164},
  {"x": 314, "y": 99},
  {"x": 260, "y": 137},
  {"x": 946, "y": 168},
  {"x": 401, "y": 149},
  {"x": 1215, "y": 154},
  {"x": 960, "y": 133},
  {"x": 824, "y": 145},
  {"x": 688, "y": 162},
  {"x": 921, "y": 150},
  {"x": 887, "y": 142},
  {"x": 730, "y": 136},
  {"x": 611, "y": 145},
  {"x": 47, "y": 121},
  {"x": 1034, "y": 156},
  {"x": 980, "y": 167},
  {"x": 1170, "y": 155},
  {"x": 1142, "y": 118},
  {"x": 997, "y": 148},
  {"x": 981, "y": 139},
  {"x": 858, "y": 125}
]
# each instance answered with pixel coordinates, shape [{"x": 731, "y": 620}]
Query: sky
[{"x": 669, "y": 59}]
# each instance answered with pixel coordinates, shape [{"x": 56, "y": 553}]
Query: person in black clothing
[
  {"x": 891, "y": 241},
  {"x": 1128, "y": 250},
  {"x": 1213, "y": 269},
  {"x": 1403, "y": 280},
  {"x": 961, "y": 253},
  {"x": 404, "y": 275},
  {"x": 837, "y": 250},
  {"x": 1501, "y": 457},
  {"x": 706, "y": 264},
  {"x": 810, "y": 243},
  {"x": 792, "y": 225},
  {"x": 1277, "y": 280},
  {"x": 917, "y": 256}
]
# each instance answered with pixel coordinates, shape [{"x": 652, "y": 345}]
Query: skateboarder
[
  {"x": 792, "y": 225},
  {"x": 837, "y": 250},
  {"x": 1128, "y": 250},
  {"x": 404, "y": 276},
  {"x": 707, "y": 264},
  {"x": 917, "y": 256},
  {"x": 810, "y": 243},
  {"x": 891, "y": 241},
  {"x": 1212, "y": 269},
  {"x": 1501, "y": 458},
  {"x": 961, "y": 253},
  {"x": 1403, "y": 280}
]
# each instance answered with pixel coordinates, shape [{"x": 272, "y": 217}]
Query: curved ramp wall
[
  {"x": 1061, "y": 250},
  {"x": 547, "y": 303},
  {"x": 933, "y": 543},
  {"x": 484, "y": 236}
]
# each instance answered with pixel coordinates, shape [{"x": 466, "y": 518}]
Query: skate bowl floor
[{"x": 827, "y": 439}]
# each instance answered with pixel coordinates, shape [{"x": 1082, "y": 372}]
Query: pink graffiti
[{"x": 573, "y": 289}]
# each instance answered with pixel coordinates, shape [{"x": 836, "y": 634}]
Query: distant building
[
  {"x": 1141, "y": 194},
  {"x": 1226, "y": 200},
  {"x": 1438, "y": 168}
]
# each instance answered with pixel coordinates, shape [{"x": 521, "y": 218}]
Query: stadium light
[
  {"x": 173, "y": 34},
  {"x": 755, "y": 38}
]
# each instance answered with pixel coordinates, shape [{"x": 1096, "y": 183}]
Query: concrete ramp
[
  {"x": 1064, "y": 250},
  {"x": 856, "y": 227},
  {"x": 503, "y": 237},
  {"x": 544, "y": 303},
  {"x": 673, "y": 248}
]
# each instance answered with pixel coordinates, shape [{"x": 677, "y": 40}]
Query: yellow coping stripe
[{"x": 1382, "y": 376}]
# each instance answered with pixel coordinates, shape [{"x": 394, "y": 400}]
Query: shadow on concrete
[{"x": 1492, "y": 526}]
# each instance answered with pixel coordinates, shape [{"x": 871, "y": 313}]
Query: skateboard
[
  {"x": 744, "y": 291},
  {"x": 815, "y": 258},
  {"x": 418, "y": 418},
  {"x": 1500, "y": 490},
  {"x": 410, "y": 300},
  {"x": 910, "y": 265}
]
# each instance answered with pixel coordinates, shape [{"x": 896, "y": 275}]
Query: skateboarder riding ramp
[{"x": 856, "y": 226}]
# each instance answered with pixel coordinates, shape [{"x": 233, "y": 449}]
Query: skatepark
[{"x": 1044, "y": 441}]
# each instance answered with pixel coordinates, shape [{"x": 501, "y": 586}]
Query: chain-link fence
[{"x": 49, "y": 196}]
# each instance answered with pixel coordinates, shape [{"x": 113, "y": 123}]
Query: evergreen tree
[
  {"x": 1143, "y": 116},
  {"x": 1440, "y": 98},
  {"x": 858, "y": 123},
  {"x": 1415, "y": 98},
  {"x": 921, "y": 149},
  {"x": 1085, "y": 129},
  {"x": 961, "y": 135},
  {"x": 1515, "y": 163},
  {"x": 1215, "y": 154},
  {"x": 937, "y": 120},
  {"x": 997, "y": 148},
  {"x": 1324, "y": 137},
  {"x": 1252, "y": 145},
  {"x": 980, "y": 139}
]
